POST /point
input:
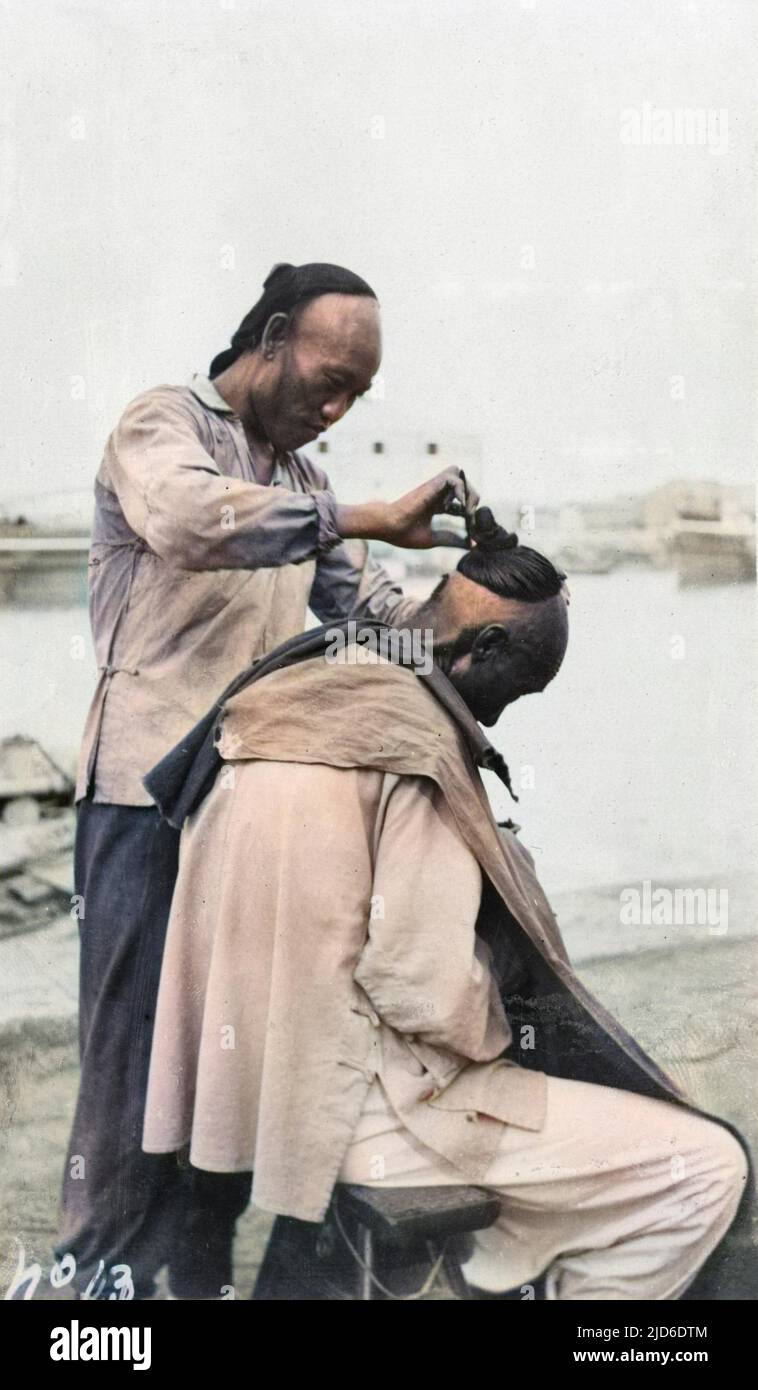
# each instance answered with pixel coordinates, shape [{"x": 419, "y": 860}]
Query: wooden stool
[
  {"x": 403, "y": 1217},
  {"x": 373, "y": 1235}
]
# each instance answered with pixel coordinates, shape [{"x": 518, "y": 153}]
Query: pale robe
[{"x": 349, "y": 793}]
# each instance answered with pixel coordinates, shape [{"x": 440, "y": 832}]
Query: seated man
[{"x": 347, "y": 924}]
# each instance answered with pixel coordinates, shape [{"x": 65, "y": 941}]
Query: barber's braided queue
[{"x": 284, "y": 288}]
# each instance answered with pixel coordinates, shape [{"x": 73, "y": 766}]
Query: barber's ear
[
  {"x": 274, "y": 334},
  {"x": 493, "y": 640}
]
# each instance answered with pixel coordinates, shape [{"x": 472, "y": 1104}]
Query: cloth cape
[{"x": 295, "y": 706}]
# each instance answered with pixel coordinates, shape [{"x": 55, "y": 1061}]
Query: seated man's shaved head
[{"x": 500, "y": 621}]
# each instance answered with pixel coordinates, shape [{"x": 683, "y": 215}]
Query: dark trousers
[{"x": 122, "y": 1206}]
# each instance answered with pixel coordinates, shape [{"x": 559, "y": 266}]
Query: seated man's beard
[{"x": 445, "y": 654}]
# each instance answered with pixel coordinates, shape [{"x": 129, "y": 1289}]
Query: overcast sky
[{"x": 583, "y": 305}]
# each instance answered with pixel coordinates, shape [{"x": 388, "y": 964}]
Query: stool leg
[
  {"x": 454, "y": 1275},
  {"x": 366, "y": 1248}
]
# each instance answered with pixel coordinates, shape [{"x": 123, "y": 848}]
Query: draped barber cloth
[{"x": 382, "y": 717}]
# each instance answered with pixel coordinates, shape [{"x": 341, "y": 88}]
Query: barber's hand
[{"x": 408, "y": 522}]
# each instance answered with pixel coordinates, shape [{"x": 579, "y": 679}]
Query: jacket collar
[
  {"x": 180, "y": 781},
  {"x": 202, "y": 387}
]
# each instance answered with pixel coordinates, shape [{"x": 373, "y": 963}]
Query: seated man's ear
[{"x": 493, "y": 640}]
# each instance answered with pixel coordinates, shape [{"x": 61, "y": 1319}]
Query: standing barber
[{"x": 212, "y": 535}]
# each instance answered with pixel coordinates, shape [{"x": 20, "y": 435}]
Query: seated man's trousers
[
  {"x": 618, "y": 1196},
  {"x": 120, "y": 1205}
]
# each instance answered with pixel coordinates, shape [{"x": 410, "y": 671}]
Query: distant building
[
  {"x": 622, "y": 513},
  {"x": 706, "y": 529},
  {"x": 680, "y": 501},
  {"x": 362, "y": 464}
]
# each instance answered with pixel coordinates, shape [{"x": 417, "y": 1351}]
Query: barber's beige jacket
[{"x": 196, "y": 570}]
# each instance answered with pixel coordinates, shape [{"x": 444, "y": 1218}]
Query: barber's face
[{"x": 319, "y": 367}]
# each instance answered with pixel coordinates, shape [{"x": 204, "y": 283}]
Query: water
[
  {"x": 47, "y": 676},
  {"x": 643, "y": 749},
  {"x": 638, "y": 762}
]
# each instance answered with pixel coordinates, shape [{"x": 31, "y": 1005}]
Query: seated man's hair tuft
[{"x": 508, "y": 569}]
